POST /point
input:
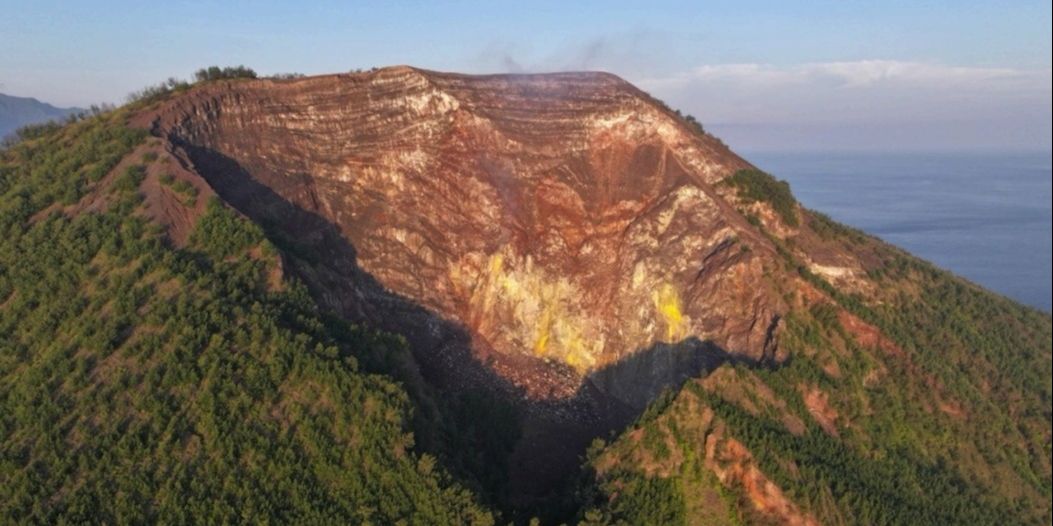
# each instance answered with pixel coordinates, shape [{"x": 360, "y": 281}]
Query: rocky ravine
[{"x": 558, "y": 236}]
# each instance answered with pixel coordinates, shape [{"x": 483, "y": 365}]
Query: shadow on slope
[{"x": 521, "y": 454}]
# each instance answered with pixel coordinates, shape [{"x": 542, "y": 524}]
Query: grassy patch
[{"x": 756, "y": 186}]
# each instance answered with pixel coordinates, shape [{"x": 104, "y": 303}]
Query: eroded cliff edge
[{"x": 562, "y": 238}]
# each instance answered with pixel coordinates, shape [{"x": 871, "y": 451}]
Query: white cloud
[
  {"x": 894, "y": 103},
  {"x": 851, "y": 90}
]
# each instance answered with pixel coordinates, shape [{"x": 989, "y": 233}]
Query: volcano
[
  {"x": 605, "y": 311},
  {"x": 563, "y": 238}
]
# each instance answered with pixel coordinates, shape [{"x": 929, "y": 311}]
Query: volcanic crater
[{"x": 561, "y": 240}]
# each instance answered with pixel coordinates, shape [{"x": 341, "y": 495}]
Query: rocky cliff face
[
  {"x": 566, "y": 219},
  {"x": 559, "y": 236}
]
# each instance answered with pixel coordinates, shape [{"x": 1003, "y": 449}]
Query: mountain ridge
[{"x": 16, "y": 112}]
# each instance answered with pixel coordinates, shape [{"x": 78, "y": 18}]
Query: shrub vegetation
[{"x": 756, "y": 186}]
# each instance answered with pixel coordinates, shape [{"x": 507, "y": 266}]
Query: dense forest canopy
[{"x": 143, "y": 383}]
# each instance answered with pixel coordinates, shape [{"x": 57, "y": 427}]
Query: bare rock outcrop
[
  {"x": 564, "y": 217},
  {"x": 561, "y": 236}
]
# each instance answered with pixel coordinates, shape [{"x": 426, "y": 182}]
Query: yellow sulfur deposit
[
  {"x": 541, "y": 313},
  {"x": 517, "y": 305},
  {"x": 544, "y": 330},
  {"x": 667, "y": 303}
]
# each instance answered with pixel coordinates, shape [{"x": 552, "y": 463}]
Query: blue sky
[{"x": 764, "y": 75}]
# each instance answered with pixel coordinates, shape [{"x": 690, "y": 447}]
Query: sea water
[{"x": 985, "y": 217}]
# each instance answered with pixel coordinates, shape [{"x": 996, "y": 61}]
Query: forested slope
[
  {"x": 140, "y": 382},
  {"x": 921, "y": 399}
]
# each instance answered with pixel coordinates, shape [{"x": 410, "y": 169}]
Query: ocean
[{"x": 986, "y": 217}]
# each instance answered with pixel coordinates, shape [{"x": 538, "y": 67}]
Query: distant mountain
[{"x": 19, "y": 111}]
